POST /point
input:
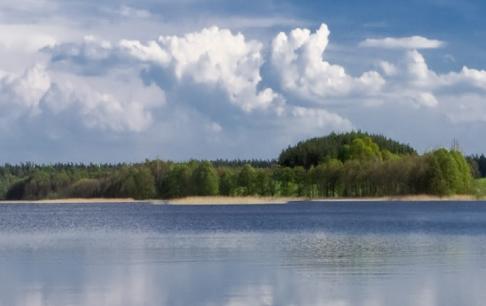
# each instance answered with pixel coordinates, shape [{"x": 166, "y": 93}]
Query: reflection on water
[{"x": 121, "y": 255}]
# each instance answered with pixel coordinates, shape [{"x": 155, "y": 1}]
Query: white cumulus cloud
[
  {"x": 37, "y": 93},
  {"x": 216, "y": 89},
  {"x": 207, "y": 81},
  {"x": 298, "y": 59},
  {"x": 20, "y": 95},
  {"x": 215, "y": 57},
  {"x": 219, "y": 57}
]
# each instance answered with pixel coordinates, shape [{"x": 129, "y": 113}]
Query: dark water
[{"x": 300, "y": 254}]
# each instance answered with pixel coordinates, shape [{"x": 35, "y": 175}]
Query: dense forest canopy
[
  {"x": 314, "y": 151},
  {"x": 339, "y": 165}
]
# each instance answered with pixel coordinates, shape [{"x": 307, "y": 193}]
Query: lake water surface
[{"x": 297, "y": 254}]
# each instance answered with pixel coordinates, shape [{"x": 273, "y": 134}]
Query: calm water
[{"x": 298, "y": 254}]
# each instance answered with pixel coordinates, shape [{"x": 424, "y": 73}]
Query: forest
[{"x": 354, "y": 164}]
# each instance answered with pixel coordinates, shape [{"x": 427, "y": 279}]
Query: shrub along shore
[{"x": 352, "y": 165}]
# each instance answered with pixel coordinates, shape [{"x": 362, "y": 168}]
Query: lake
[{"x": 333, "y": 253}]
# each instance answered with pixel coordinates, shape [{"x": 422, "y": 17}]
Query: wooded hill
[
  {"x": 353, "y": 164},
  {"x": 343, "y": 147}
]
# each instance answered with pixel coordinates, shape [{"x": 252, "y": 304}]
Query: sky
[{"x": 111, "y": 81}]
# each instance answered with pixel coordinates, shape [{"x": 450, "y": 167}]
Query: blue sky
[{"x": 129, "y": 80}]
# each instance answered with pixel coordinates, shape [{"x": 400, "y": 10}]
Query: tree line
[{"x": 341, "y": 165}]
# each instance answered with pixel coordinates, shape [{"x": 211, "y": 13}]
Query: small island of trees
[{"x": 354, "y": 164}]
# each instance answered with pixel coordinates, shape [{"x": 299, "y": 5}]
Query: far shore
[
  {"x": 219, "y": 200},
  {"x": 75, "y": 201},
  {"x": 250, "y": 200}
]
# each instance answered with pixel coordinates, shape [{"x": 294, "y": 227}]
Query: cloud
[
  {"x": 203, "y": 88},
  {"x": 26, "y": 90},
  {"x": 21, "y": 7},
  {"x": 409, "y": 82},
  {"x": 424, "y": 84},
  {"x": 297, "y": 59},
  {"x": 149, "y": 52},
  {"x": 218, "y": 57},
  {"x": 20, "y": 95},
  {"x": 94, "y": 108},
  {"x": 466, "y": 77},
  {"x": 465, "y": 108},
  {"x": 213, "y": 57},
  {"x": 23, "y": 38},
  {"x": 214, "y": 92},
  {"x": 388, "y": 68},
  {"x": 320, "y": 119},
  {"x": 38, "y": 93},
  {"x": 412, "y": 42}
]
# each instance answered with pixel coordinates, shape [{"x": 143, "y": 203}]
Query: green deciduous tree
[
  {"x": 246, "y": 180},
  {"x": 205, "y": 180}
]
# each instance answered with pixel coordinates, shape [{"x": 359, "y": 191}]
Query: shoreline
[
  {"x": 250, "y": 200},
  {"x": 75, "y": 201},
  {"x": 286, "y": 200}
]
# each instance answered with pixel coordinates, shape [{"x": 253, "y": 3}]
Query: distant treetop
[{"x": 345, "y": 146}]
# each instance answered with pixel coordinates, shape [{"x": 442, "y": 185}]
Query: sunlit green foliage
[
  {"x": 205, "y": 180},
  {"x": 343, "y": 147},
  {"x": 448, "y": 173},
  {"x": 479, "y": 186},
  {"x": 347, "y": 165}
]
